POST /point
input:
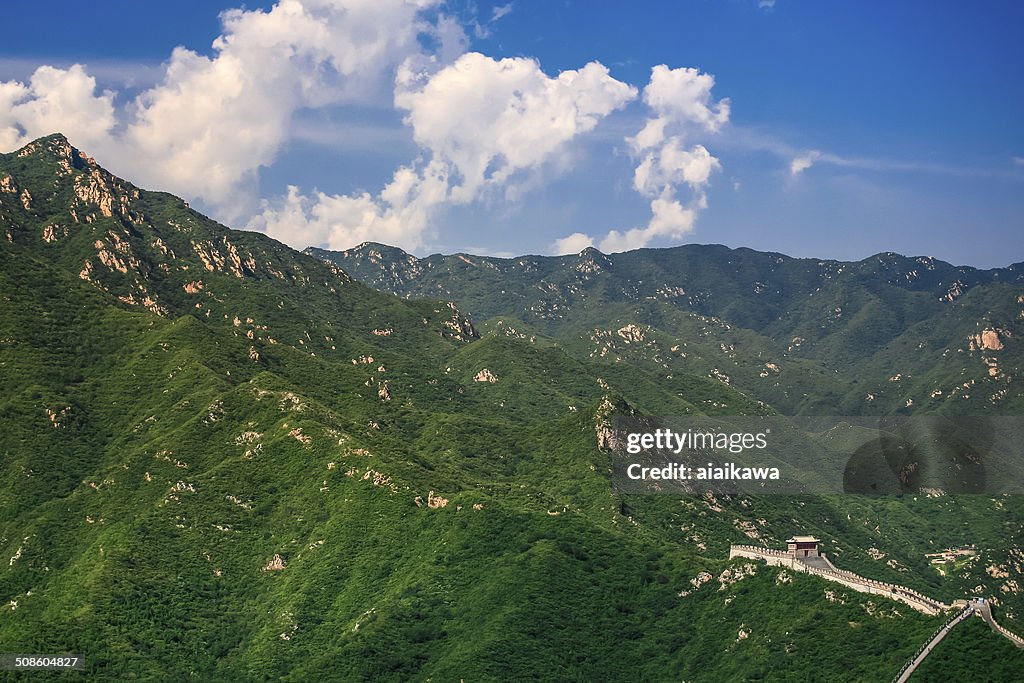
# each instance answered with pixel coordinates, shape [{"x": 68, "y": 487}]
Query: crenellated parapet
[{"x": 779, "y": 558}]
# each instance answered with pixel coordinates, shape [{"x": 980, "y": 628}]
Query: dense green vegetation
[
  {"x": 226, "y": 460},
  {"x": 883, "y": 335}
]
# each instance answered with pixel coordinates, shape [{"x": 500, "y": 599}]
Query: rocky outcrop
[
  {"x": 485, "y": 375},
  {"x": 631, "y": 333},
  {"x": 53, "y": 232},
  {"x": 275, "y": 565},
  {"x": 461, "y": 327},
  {"x": 988, "y": 339},
  {"x": 591, "y": 261},
  {"x": 608, "y": 439},
  {"x": 224, "y": 257}
]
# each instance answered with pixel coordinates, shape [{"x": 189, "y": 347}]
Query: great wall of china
[
  {"x": 821, "y": 566},
  {"x": 818, "y": 564},
  {"x": 911, "y": 666}
]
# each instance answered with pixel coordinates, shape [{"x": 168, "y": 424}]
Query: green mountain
[
  {"x": 883, "y": 335},
  {"x": 226, "y": 460}
]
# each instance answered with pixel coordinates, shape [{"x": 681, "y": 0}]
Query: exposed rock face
[
  {"x": 720, "y": 376},
  {"x": 297, "y": 434},
  {"x": 96, "y": 187},
  {"x": 592, "y": 261},
  {"x": 93, "y": 189},
  {"x": 731, "y": 576},
  {"x": 607, "y": 438},
  {"x": 379, "y": 479},
  {"x": 485, "y": 375},
  {"x": 224, "y": 257},
  {"x": 58, "y": 418},
  {"x": 701, "y": 579},
  {"x": 53, "y": 232},
  {"x": 988, "y": 339},
  {"x": 460, "y": 326},
  {"x": 953, "y": 293},
  {"x": 110, "y": 260},
  {"x": 275, "y": 565},
  {"x": 631, "y": 333}
]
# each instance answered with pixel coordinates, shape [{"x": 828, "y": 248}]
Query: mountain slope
[
  {"x": 225, "y": 460},
  {"x": 806, "y": 336}
]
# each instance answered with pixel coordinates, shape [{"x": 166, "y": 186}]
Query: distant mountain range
[
  {"x": 886, "y": 334},
  {"x": 223, "y": 459}
]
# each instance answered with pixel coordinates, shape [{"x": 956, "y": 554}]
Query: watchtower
[{"x": 804, "y": 546}]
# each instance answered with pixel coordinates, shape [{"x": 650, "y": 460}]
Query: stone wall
[{"x": 908, "y": 596}]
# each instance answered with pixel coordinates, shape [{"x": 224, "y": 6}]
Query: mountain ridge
[
  {"x": 888, "y": 316},
  {"x": 591, "y": 250}
]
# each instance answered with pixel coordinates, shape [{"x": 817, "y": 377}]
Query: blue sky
[{"x": 850, "y": 128}]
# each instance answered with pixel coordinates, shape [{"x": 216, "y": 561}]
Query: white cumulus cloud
[
  {"x": 483, "y": 126},
  {"x": 572, "y": 244},
  {"x": 490, "y": 119},
  {"x": 54, "y": 100},
  {"x": 211, "y": 122},
  {"x": 683, "y": 107},
  {"x": 680, "y": 97},
  {"x": 486, "y": 128},
  {"x": 399, "y": 215},
  {"x": 671, "y": 165}
]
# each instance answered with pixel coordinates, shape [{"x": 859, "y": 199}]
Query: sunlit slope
[
  {"x": 225, "y": 460},
  {"x": 889, "y": 333}
]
